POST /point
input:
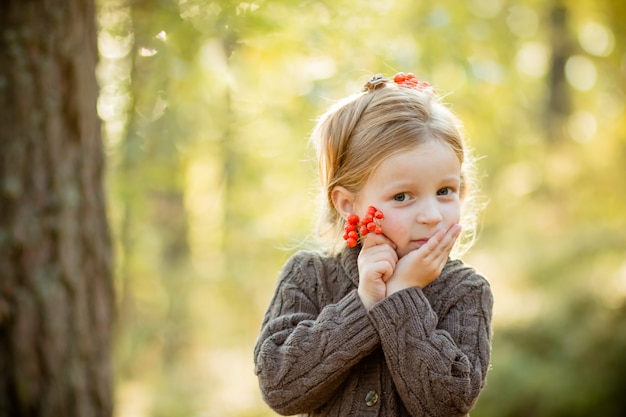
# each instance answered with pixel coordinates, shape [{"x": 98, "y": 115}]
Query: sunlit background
[{"x": 207, "y": 106}]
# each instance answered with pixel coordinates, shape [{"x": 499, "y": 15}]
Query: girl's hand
[
  {"x": 422, "y": 266},
  {"x": 377, "y": 262}
]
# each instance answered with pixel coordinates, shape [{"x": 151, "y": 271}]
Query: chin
[
  {"x": 413, "y": 246},
  {"x": 405, "y": 251}
]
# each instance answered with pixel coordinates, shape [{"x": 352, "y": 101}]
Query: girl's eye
[
  {"x": 445, "y": 191},
  {"x": 401, "y": 197}
]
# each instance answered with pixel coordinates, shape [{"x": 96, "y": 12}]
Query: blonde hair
[{"x": 359, "y": 132}]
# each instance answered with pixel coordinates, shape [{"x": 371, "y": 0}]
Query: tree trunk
[
  {"x": 56, "y": 289},
  {"x": 559, "y": 101}
]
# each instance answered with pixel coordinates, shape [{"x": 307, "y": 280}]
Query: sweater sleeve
[
  {"x": 303, "y": 353},
  {"x": 438, "y": 364}
]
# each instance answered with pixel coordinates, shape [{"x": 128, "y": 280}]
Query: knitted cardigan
[{"x": 418, "y": 352}]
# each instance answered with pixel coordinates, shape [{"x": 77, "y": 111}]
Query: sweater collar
[{"x": 348, "y": 259}]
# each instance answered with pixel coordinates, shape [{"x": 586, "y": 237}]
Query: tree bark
[{"x": 56, "y": 289}]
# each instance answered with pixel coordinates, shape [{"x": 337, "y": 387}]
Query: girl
[{"x": 390, "y": 326}]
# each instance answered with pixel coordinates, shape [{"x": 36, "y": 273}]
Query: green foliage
[
  {"x": 570, "y": 364},
  {"x": 207, "y": 107}
]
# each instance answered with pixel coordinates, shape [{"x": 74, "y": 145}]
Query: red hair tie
[
  {"x": 409, "y": 80},
  {"x": 404, "y": 80}
]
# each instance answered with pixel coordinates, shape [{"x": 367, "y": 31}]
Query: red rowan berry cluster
[
  {"x": 356, "y": 229},
  {"x": 409, "y": 80}
]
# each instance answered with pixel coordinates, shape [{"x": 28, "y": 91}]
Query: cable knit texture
[{"x": 415, "y": 353}]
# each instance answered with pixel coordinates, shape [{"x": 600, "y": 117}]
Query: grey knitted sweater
[{"x": 415, "y": 353}]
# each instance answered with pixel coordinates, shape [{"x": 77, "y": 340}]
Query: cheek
[
  {"x": 396, "y": 226},
  {"x": 452, "y": 214}
]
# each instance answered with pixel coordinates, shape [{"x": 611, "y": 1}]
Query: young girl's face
[{"x": 418, "y": 191}]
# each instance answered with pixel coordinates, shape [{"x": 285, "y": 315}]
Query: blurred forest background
[{"x": 207, "y": 107}]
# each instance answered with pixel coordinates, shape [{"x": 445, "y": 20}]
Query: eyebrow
[
  {"x": 452, "y": 178},
  {"x": 402, "y": 184}
]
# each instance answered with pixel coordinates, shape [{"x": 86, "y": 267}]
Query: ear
[{"x": 343, "y": 200}]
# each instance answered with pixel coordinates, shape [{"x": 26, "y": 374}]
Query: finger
[
  {"x": 447, "y": 243},
  {"x": 384, "y": 252},
  {"x": 452, "y": 234},
  {"x": 454, "y": 231},
  {"x": 434, "y": 244},
  {"x": 386, "y": 269},
  {"x": 440, "y": 244},
  {"x": 372, "y": 239},
  {"x": 376, "y": 254}
]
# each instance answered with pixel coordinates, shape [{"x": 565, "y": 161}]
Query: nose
[{"x": 429, "y": 212}]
